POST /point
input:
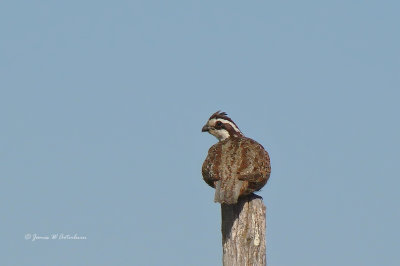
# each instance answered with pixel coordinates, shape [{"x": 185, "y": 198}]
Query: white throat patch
[{"x": 220, "y": 134}]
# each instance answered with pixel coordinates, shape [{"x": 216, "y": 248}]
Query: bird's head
[{"x": 221, "y": 126}]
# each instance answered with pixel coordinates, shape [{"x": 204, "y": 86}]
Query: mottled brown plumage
[{"x": 236, "y": 165}]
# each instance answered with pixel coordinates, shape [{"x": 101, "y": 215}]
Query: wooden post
[{"x": 243, "y": 232}]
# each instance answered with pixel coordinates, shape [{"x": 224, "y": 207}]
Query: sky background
[{"x": 102, "y": 105}]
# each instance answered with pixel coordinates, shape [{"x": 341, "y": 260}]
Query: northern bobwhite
[{"x": 236, "y": 165}]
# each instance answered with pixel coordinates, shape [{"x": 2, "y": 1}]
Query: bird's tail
[{"x": 227, "y": 191}]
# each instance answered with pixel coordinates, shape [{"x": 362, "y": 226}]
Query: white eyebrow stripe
[{"x": 228, "y": 122}]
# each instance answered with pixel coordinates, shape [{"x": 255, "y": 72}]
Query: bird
[{"x": 236, "y": 165}]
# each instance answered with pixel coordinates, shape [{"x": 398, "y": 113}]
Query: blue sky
[{"x": 102, "y": 105}]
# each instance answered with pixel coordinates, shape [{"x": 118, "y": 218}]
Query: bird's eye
[{"x": 219, "y": 124}]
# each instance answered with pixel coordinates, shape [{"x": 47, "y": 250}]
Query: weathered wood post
[{"x": 243, "y": 232}]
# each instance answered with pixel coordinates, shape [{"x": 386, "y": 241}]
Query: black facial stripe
[
  {"x": 231, "y": 130},
  {"x": 219, "y": 125}
]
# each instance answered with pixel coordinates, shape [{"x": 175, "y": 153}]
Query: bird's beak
[{"x": 205, "y": 128}]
